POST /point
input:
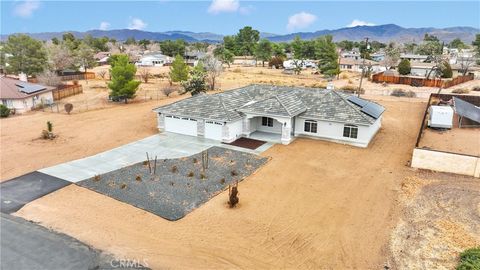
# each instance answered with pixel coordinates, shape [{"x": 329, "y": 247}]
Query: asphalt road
[{"x": 17, "y": 192}]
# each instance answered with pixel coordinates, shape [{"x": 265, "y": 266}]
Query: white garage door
[
  {"x": 213, "y": 130},
  {"x": 185, "y": 126}
]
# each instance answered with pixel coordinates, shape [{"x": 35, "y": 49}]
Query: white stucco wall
[
  {"x": 26, "y": 104},
  {"x": 256, "y": 124},
  {"x": 235, "y": 130},
  {"x": 334, "y": 131},
  {"x": 446, "y": 162}
]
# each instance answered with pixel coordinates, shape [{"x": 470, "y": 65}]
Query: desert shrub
[
  {"x": 167, "y": 91},
  {"x": 403, "y": 93},
  {"x": 138, "y": 178},
  {"x": 469, "y": 259},
  {"x": 352, "y": 89},
  {"x": 404, "y": 67},
  {"x": 68, "y": 107},
  {"x": 203, "y": 176},
  {"x": 476, "y": 88},
  {"x": 344, "y": 76},
  {"x": 195, "y": 160},
  {"x": 233, "y": 197},
  {"x": 96, "y": 178},
  {"x": 233, "y": 173},
  {"x": 350, "y": 81},
  {"x": 446, "y": 70},
  {"x": 222, "y": 181},
  {"x": 123, "y": 186},
  {"x": 276, "y": 62},
  {"x": 4, "y": 111},
  {"x": 190, "y": 174},
  {"x": 174, "y": 169},
  {"x": 461, "y": 91},
  {"x": 237, "y": 70},
  {"x": 48, "y": 134}
]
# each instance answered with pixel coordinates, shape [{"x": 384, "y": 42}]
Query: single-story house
[
  {"x": 278, "y": 113},
  {"x": 192, "y": 57},
  {"x": 413, "y": 57},
  {"x": 23, "y": 96},
  {"x": 244, "y": 60},
  {"x": 422, "y": 69},
  {"x": 154, "y": 59},
  {"x": 102, "y": 58},
  {"x": 355, "y": 65}
]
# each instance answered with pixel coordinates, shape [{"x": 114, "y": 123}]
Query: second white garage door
[
  {"x": 213, "y": 130},
  {"x": 185, "y": 126}
]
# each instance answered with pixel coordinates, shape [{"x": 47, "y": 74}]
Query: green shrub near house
[
  {"x": 446, "y": 70},
  {"x": 4, "y": 111},
  {"x": 404, "y": 67}
]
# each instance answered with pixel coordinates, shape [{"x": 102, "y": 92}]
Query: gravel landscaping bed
[{"x": 179, "y": 186}]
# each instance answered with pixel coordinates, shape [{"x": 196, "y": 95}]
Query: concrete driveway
[{"x": 164, "y": 145}]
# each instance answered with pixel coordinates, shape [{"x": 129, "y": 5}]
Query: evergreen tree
[
  {"x": 178, "y": 70},
  {"x": 327, "y": 55},
  {"x": 264, "y": 51},
  {"x": 85, "y": 56},
  {"x": 223, "y": 54},
  {"x": 404, "y": 67},
  {"x": 247, "y": 39},
  {"x": 446, "y": 70},
  {"x": 123, "y": 83},
  {"x": 27, "y": 55}
]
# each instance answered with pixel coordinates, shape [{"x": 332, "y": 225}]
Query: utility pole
[{"x": 363, "y": 67}]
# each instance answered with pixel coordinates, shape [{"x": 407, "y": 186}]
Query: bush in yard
[
  {"x": 48, "y": 134},
  {"x": 469, "y": 259},
  {"x": 123, "y": 83},
  {"x": 196, "y": 84},
  {"x": 476, "y": 88},
  {"x": 446, "y": 70},
  {"x": 404, "y": 67},
  {"x": 4, "y": 111},
  {"x": 403, "y": 93},
  {"x": 68, "y": 107},
  {"x": 461, "y": 91},
  {"x": 352, "y": 89},
  {"x": 233, "y": 196},
  {"x": 276, "y": 61}
]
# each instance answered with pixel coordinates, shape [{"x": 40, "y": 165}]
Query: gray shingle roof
[{"x": 272, "y": 100}]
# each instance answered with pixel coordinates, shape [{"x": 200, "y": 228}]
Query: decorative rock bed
[{"x": 179, "y": 185}]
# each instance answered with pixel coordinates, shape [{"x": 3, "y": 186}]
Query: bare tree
[
  {"x": 153, "y": 47},
  {"x": 465, "y": 64},
  {"x": 59, "y": 56},
  {"x": 168, "y": 91},
  {"x": 102, "y": 73},
  {"x": 392, "y": 55},
  {"x": 214, "y": 68},
  {"x": 49, "y": 78},
  {"x": 144, "y": 74}
]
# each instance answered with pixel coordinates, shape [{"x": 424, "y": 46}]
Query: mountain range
[{"x": 382, "y": 33}]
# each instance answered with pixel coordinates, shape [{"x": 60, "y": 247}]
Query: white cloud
[
  {"x": 104, "y": 25},
  {"x": 26, "y": 8},
  {"x": 137, "y": 24},
  {"x": 300, "y": 20},
  {"x": 360, "y": 23},
  {"x": 219, "y": 6}
]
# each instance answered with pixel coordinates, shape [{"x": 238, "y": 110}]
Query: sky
[{"x": 227, "y": 16}]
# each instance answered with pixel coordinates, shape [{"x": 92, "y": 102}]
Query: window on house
[
  {"x": 267, "y": 122},
  {"x": 350, "y": 131},
  {"x": 7, "y": 102},
  {"x": 310, "y": 126}
]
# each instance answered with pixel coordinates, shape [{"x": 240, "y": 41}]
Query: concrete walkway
[{"x": 164, "y": 145}]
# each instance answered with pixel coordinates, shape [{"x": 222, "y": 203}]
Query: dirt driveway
[{"x": 315, "y": 205}]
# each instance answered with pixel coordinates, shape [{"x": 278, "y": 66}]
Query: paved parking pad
[
  {"x": 17, "y": 192},
  {"x": 26, "y": 245},
  {"x": 164, "y": 146}
]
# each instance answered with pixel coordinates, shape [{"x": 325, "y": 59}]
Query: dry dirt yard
[{"x": 314, "y": 205}]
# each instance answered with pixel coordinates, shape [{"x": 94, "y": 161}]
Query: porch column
[
  {"x": 225, "y": 133},
  {"x": 286, "y": 132},
  {"x": 161, "y": 121},
  {"x": 246, "y": 126}
]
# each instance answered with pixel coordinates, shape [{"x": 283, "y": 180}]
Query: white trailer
[{"x": 440, "y": 117}]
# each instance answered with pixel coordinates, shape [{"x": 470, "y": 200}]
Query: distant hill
[{"x": 382, "y": 33}]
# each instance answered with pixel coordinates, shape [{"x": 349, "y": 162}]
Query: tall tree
[
  {"x": 223, "y": 54},
  {"x": 327, "y": 55},
  {"x": 85, "y": 56},
  {"x": 178, "y": 70},
  {"x": 392, "y": 55},
  {"x": 247, "y": 39},
  {"x": 26, "y": 55},
  {"x": 173, "y": 48},
  {"x": 264, "y": 51},
  {"x": 214, "y": 68},
  {"x": 230, "y": 44},
  {"x": 297, "y": 46},
  {"x": 59, "y": 56},
  {"x": 123, "y": 83},
  {"x": 457, "y": 44}
]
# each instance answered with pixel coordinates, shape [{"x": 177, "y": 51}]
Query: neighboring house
[
  {"x": 276, "y": 112},
  {"x": 192, "y": 57},
  {"x": 353, "y": 54},
  {"x": 413, "y": 57},
  {"x": 378, "y": 56},
  {"x": 422, "y": 70},
  {"x": 23, "y": 96},
  {"x": 102, "y": 58},
  {"x": 154, "y": 59},
  {"x": 244, "y": 60},
  {"x": 355, "y": 65}
]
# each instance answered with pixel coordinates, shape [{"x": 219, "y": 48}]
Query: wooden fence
[
  {"x": 416, "y": 81},
  {"x": 73, "y": 77},
  {"x": 66, "y": 91}
]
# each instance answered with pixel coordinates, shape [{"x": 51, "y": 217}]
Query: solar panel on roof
[
  {"x": 357, "y": 101},
  {"x": 29, "y": 88},
  {"x": 373, "y": 109},
  {"x": 466, "y": 109}
]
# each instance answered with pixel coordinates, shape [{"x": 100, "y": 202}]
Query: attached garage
[
  {"x": 213, "y": 130},
  {"x": 182, "y": 125}
]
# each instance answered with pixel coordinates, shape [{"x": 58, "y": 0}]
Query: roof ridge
[
  {"x": 281, "y": 103},
  {"x": 225, "y": 108},
  {"x": 351, "y": 105}
]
